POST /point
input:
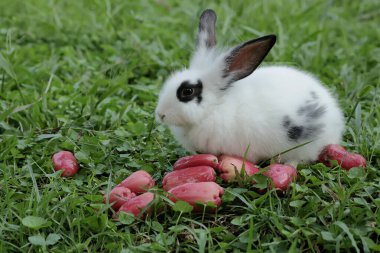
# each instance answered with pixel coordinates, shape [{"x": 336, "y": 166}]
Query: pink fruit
[
  {"x": 195, "y": 193},
  {"x": 137, "y": 204},
  {"x": 66, "y": 161},
  {"x": 188, "y": 175},
  {"x": 196, "y": 160},
  {"x": 228, "y": 164},
  {"x": 118, "y": 196},
  {"x": 281, "y": 175},
  {"x": 344, "y": 158},
  {"x": 138, "y": 182},
  {"x": 353, "y": 160}
]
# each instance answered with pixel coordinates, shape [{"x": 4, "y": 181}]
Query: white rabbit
[{"x": 219, "y": 105}]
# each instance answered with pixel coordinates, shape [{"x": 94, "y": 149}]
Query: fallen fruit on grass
[
  {"x": 344, "y": 158},
  {"x": 282, "y": 175},
  {"x": 138, "y": 182},
  {"x": 198, "y": 194},
  {"x": 229, "y": 165},
  {"x": 188, "y": 175},
  {"x": 66, "y": 161},
  {"x": 196, "y": 160},
  {"x": 118, "y": 196},
  {"x": 137, "y": 204}
]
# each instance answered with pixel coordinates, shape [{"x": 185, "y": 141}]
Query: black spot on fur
[
  {"x": 286, "y": 121},
  {"x": 311, "y": 111},
  {"x": 306, "y": 131},
  {"x": 313, "y": 131},
  {"x": 187, "y": 91},
  {"x": 295, "y": 132},
  {"x": 317, "y": 113}
]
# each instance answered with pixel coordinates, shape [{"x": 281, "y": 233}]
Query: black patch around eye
[{"x": 187, "y": 91}]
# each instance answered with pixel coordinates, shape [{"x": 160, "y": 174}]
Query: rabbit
[{"x": 224, "y": 104}]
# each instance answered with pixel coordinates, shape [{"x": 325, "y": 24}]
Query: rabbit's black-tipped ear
[
  {"x": 245, "y": 58},
  {"x": 206, "y": 33}
]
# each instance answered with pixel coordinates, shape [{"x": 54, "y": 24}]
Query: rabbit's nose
[{"x": 161, "y": 116}]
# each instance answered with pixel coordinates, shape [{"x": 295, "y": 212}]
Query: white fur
[{"x": 249, "y": 113}]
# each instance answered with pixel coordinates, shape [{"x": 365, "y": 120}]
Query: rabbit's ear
[
  {"x": 245, "y": 58},
  {"x": 206, "y": 33}
]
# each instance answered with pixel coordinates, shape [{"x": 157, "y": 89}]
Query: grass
[{"x": 84, "y": 76}]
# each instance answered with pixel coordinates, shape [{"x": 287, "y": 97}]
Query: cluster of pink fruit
[
  {"x": 193, "y": 181},
  {"x": 193, "y": 178},
  {"x": 131, "y": 195}
]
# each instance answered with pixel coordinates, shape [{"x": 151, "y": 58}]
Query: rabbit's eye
[{"x": 188, "y": 91}]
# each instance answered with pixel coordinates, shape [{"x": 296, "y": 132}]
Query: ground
[{"x": 84, "y": 76}]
